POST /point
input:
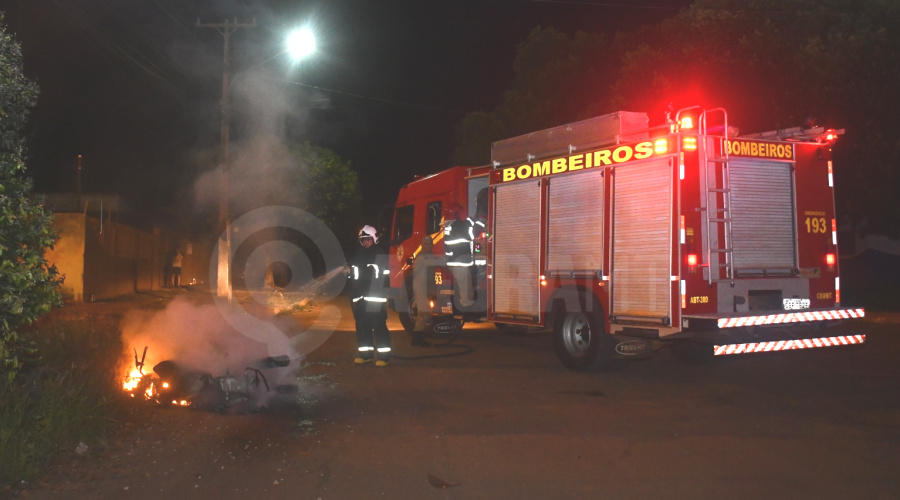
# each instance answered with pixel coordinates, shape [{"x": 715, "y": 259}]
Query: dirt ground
[{"x": 507, "y": 421}]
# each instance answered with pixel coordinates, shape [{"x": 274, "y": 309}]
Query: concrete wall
[
  {"x": 68, "y": 254},
  {"x": 108, "y": 259}
]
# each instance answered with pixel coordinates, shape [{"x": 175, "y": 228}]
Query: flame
[
  {"x": 148, "y": 383},
  {"x": 136, "y": 380},
  {"x": 132, "y": 380}
]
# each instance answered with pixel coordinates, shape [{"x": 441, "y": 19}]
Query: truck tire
[
  {"x": 407, "y": 321},
  {"x": 404, "y": 309},
  {"x": 581, "y": 341}
]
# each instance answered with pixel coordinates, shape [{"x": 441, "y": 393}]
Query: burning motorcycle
[{"x": 174, "y": 383}]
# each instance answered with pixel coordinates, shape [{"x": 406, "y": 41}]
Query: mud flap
[
  {"x": 444, "y": 326},
  {"x": 632, "y": 347}
]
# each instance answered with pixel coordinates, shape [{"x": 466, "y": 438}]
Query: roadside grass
[{"x": 67, "y": 395}]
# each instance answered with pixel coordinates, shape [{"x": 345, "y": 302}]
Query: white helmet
[{"x": 368, "y": 231}]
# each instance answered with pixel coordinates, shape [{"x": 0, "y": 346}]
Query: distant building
[{"x": 100, "y": 256}]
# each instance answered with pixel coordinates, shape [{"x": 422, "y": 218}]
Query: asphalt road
[{"x": 506, "y": 421}]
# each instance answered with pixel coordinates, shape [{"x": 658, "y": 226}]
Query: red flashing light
[
  {"x": 692, "y": 259},
  {"x": 686, "y": 123},
  {"x": 661, "y": 146},
  {"x": 830, "y": 259},
  {"x": 829, "y": 136},
  {"x": 689, "y": 144}
]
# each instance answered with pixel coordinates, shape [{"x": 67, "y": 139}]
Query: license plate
[{"x": 795, "y": 304}]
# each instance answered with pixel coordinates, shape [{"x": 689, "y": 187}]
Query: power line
[{"x": 606, "y": 4}]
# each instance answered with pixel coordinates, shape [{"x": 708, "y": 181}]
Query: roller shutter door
[
  {"x": 642, "y": 240},
  {"x": 762, "y": 214},
  {"x": 575, "y": 233},
  {"x": 517, "y": 239}
]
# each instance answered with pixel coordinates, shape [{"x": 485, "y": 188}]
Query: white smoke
[
  {"x": 198, "y": 336},
  {"x": 261, "y": 169}
]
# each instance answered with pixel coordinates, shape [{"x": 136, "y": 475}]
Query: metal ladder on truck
[{"x": 717, "y": 196}]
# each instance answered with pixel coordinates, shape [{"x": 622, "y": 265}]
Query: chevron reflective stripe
[
  {"x": 375, "y": 299},
  {"x": 787, "y": 345},
  {"x": 794, "y": 317}
]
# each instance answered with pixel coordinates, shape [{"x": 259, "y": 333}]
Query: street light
[{"x": 300, "y": 43}]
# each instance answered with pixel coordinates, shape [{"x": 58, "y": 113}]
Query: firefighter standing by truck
[
  {"x": 369, "y": 274},
  {"x": 459, "y": 238}
]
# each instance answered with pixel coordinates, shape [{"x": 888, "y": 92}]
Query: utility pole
[
  {"x": 223, "y": 282},
  {"x": 78, "y": 185}
]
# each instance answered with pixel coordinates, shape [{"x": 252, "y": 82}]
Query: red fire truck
[{"x": 621, "y": 237}]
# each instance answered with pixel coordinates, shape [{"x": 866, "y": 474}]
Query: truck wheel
[
  {"x": 404, "y": 313},
  {"x": 407, "y": 321},
  {"x": 580, "y": 340}
]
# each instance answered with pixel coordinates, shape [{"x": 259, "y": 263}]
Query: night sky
[{"x": 134, "y": 86}]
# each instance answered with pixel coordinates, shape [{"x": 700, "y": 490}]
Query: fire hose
[{"x": 464, "y": 349}]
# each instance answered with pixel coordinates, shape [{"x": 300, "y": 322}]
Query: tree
[
  {"x": 778, "y": 63},
  {"x": 27, "y": 283},
  {"x": 555, "y": 77},
  {"x": 331, "y": 190},
  {"x": 770, "y": 63}
]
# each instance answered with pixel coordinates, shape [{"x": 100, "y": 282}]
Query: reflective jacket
[
  {"x": 459, "y": 237},
  {"x": 369, "y": 275},
  {"x": 479, "y": 242}
]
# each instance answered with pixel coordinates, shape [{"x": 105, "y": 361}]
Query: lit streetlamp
[{"x": 299, "y": 44}]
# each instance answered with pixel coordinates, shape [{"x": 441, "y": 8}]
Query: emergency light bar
[
  {"x": 795, "y": 317},
  {"x": 788, "y": 345}
]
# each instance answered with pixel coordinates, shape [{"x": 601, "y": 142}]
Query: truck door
[
  {"x": 575, "y": 224},
  {"x": 517, "y": 245},
  {"x": 642, "y": 242},
  {"x": 762, "y": 198}
]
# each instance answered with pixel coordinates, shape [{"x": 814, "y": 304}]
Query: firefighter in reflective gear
[
  {"x": 369, "y": 277},
  {"x": 480, "y": 222},
  {"x": 459, "y": 241}
]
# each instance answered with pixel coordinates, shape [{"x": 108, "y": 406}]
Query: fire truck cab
[
  {"x": 621, "y": 237},
  {"x": 418, "y": 212}
]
